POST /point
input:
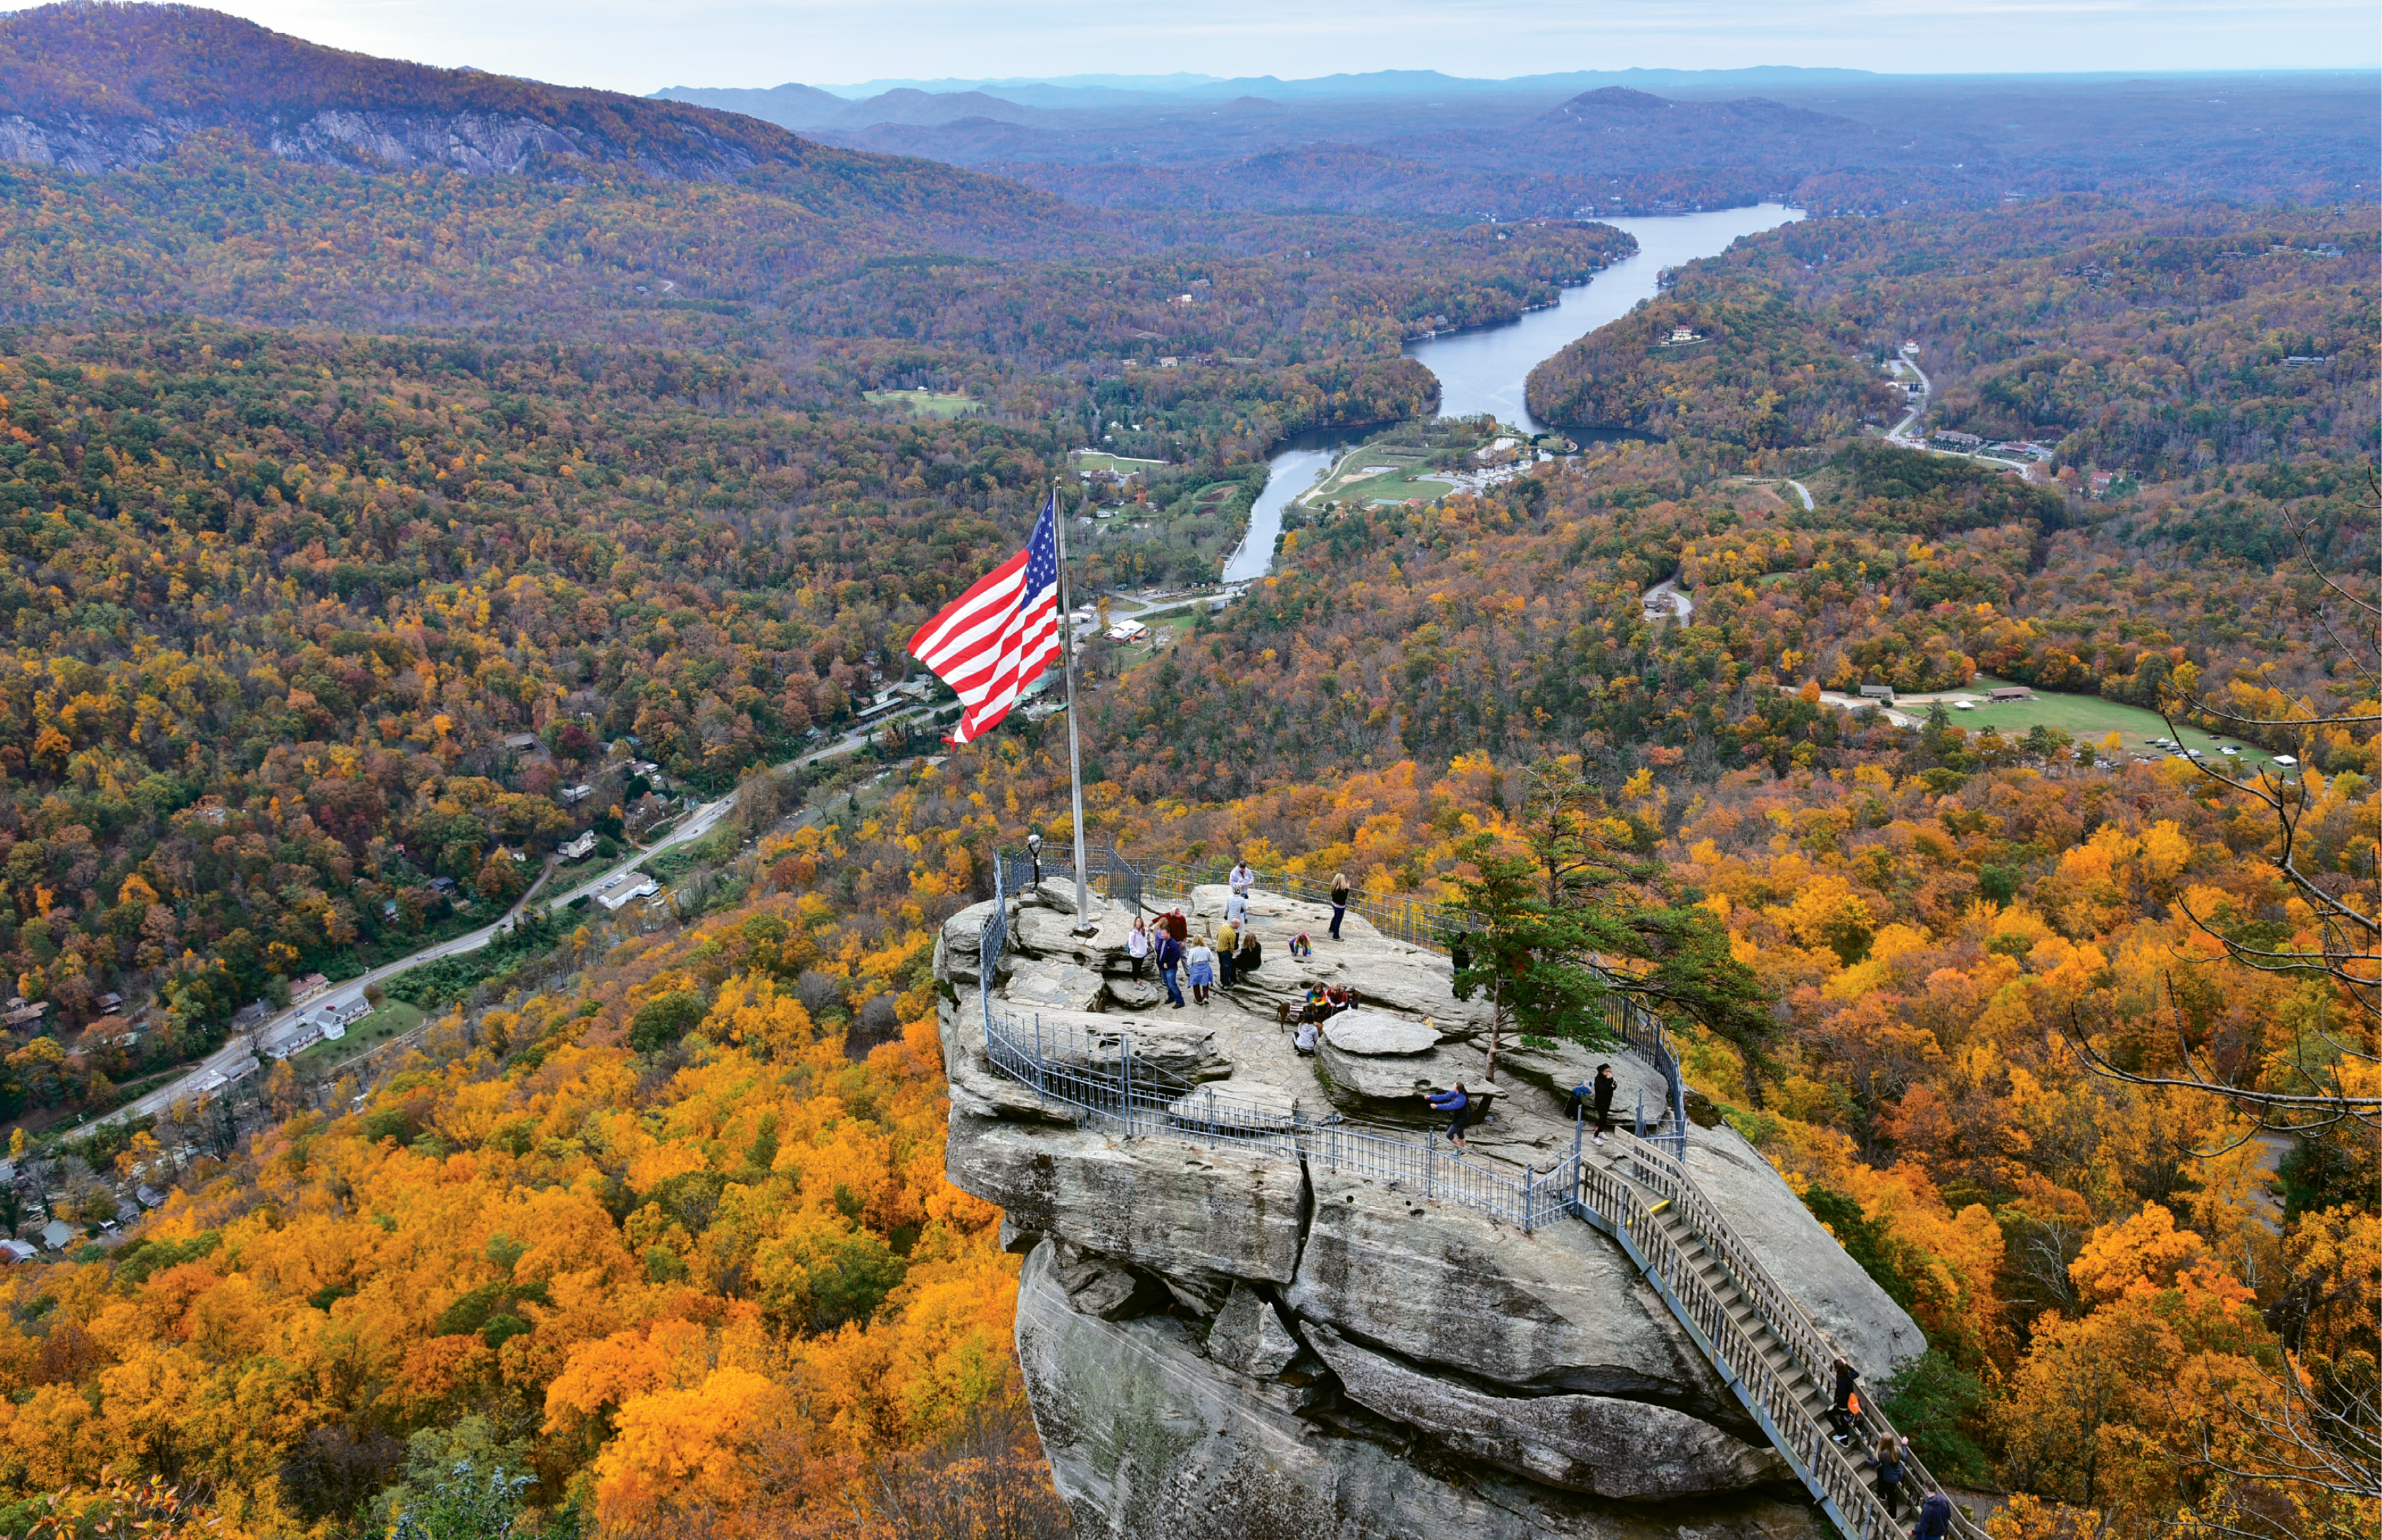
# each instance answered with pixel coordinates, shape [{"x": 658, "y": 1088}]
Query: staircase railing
[{"x": 1630, "y": 1208}]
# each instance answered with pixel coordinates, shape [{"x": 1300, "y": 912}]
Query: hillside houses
[{"x": 329, "y": 1024}]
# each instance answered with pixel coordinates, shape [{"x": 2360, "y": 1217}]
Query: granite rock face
[{"x": 1222, "y": 1339}]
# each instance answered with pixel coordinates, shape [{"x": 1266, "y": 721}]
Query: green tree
[
  {"x": 460, "y": 1506},
  {"x": 1574, "y": 917}
]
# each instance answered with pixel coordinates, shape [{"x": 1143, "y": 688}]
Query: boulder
[
  {"x": 1248, "y": 1337},
  {"x": 959, "y": 946},
  {"x": 1180, "y": 1210},
  {"x": 1042, "y": 931},
  {"x": 1447, "y": 1286},
  {"x": 1598, "y": 1443},
  {"x": 1174, "y": 1044},
  {"x": 1236, "y": 1106},
  {"x": 1054, "y": 986},
  {"x": 1149, "y": 1440},
  {"x": 1556, "y": 1070},
  {"x": 1377, "y": 1034},
  {"x": 1363, "y": 1082}
]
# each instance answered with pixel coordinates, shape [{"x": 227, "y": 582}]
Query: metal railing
[
  {"x": 1099, "y": 1075},
  {"x": 1109, "y": 874},
  {"x": 1429, "y": 926},
  {"x": 1631, "y": 1205},
  {"x": 1641, "y": 1030}
]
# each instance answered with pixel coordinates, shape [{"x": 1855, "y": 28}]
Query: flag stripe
[{"x": 992, "y": 641}]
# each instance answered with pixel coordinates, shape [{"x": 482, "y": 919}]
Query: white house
[{"x": 578, "y": 849}]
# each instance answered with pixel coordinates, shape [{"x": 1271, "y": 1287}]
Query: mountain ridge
[{"x": 105, "y": 87}]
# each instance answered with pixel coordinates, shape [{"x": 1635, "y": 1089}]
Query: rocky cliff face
[{"x": 1233, "y": 1344}]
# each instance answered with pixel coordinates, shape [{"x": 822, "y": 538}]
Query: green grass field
[
  {"x": 927, "y": 403},
  {"x": 394, "y": 1019},
  {"x": 1116, "y": 464},
  {"x": 1396, "y": 474},
  {"x": 2088, "y": 719}
]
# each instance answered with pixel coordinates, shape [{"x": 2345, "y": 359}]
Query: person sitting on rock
[
  {"x": 1457, "y": 1104},
  {"x": 1310, "y": 1034},
  {"x": 1300, "y": 946},
  {"x": 1337, "y": 998},
  {"x": 1246, "y": 961},
  {"x": 1316, "y": 1008}
]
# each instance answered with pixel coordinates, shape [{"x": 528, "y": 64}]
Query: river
[{"x": 1486, "y": 368}]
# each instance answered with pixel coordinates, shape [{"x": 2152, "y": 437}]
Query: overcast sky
[{"x": 642, "y": 48}]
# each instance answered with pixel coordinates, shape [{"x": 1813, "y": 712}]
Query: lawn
[
  {"x": 2089, "y": 719},
  {"x": 1374, "y": 474},
  {"x": 927, "y": 403},
  {"x": 394, "y": 1019},
  {"x": 1116, "y": 464}
]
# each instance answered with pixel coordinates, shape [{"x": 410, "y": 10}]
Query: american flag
[{"x": 993, "y": 640}]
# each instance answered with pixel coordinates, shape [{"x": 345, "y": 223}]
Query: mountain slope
[
  {"x": 95, "y": 88},
  {"x": 792, "y": 105}
]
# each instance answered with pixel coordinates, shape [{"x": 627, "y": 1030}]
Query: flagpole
[{"x": 1084, "y": 924}]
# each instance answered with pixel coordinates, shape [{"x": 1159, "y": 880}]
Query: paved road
[
  {"x": 1803, "y": 492},
  {"x": 242, "y": 1046},
  {"x": 1899, "y": 432}
]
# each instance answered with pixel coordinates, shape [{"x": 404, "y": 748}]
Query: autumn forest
[{"x": 377, "y": 528}]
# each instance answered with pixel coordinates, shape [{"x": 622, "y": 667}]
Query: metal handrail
[{"x": 1631, "y": 1208}]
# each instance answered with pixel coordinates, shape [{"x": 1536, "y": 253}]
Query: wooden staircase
[{"x": 1765, "y": 1348}]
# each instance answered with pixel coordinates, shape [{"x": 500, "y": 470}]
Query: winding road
[
  {"x": 1900, "y": 432},
  {"x": 242, "y": 1045}
]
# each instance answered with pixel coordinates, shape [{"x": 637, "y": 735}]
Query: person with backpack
[
  {"x": 1457, "y": 1104},
  {"x": 1934, "y": 1519},
  {"x": 1169, "y": 953},
  {"x": 1845, "y": 1410},
  {"x": 1889, "y": 1474}
]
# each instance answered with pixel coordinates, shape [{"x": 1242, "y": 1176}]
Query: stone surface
[
  {"x": 959, "y": 946},
  {"x": 1447, "y": 1286},
  {"x": 1148, "y": 1440},
  {"x": 1168, "y": 1327},
  {"x": 1376, "y": 1033},
  {"x": 1247, "y": 1105},
  {"x": 1176, "y": 1209},
  {"x": 1040, "y": 930},
  {"x": 1556, "y": 1070},
  {"x": 1054, "y": 986},
  {"x": 1599, "y": 1443}
]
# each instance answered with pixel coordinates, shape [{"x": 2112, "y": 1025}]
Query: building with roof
[{"x": 57, "y": 1235}]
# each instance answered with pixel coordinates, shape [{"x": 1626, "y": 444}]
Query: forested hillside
[{"x": 2160, "y": 344}]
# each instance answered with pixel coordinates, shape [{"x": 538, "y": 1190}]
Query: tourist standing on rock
[
  {"x": 1136, "y": 945},
  {"x": 1243, "y": 879},
  {"x": 1339, "y": 901},
  {"x": 1889, "y": 1474},
  {"x": 1458, "y": 1107},
  {"x": 1602, "y": 1094},
  {"x": 1236, "y": 908},
  {"x": 1934, "y": 1519},
  {"x": 1203, "y": 968},
  {"x": 1228, "y": 942},
  {"x": 1846, "y": 1404},
  {"x": 1170, "y": 957}
]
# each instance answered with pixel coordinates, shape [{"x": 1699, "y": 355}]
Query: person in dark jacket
[
  {"x": 1251, "y": 953},
  {"x": 1934, "y": 1519},
  {"x": 1169, "y": 953},
  {"x": 1457, "y": 1105},
  {"x": 1338, "y": 901},
  {"x": 1844, "y": 1409},
  {"x": 1602, "y": 1094},
  {"x": 1889, "y": 1474}
]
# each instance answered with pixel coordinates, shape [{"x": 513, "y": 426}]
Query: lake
[{"x": 1486, "y": 368}]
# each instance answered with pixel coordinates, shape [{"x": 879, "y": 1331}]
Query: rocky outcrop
[{"x": 1220, "y": 1341}]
